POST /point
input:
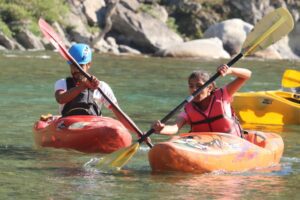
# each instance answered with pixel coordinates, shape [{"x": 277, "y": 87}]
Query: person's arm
[
  {"x": 65, "y": 96},
  {"x": 164, "y": 129},
  {"x": 242, "y": 75}
]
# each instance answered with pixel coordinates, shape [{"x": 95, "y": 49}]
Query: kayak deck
[
  {"x": 88, "y": 134},
  {"x": 267, "y": 107},
  {"x": 207, "y": 152}
]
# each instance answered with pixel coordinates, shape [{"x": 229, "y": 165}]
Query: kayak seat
[
  {"x": 256, "y": 138},
  {"x": 77, "y": 111}
]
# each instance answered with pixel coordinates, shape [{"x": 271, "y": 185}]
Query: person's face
[
  {"x": 76, "y": 74},
  {"x": 194, "y": 84}
]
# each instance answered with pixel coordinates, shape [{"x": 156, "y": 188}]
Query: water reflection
[{"x": 221, "y": 185}]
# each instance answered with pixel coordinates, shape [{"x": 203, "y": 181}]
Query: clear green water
[{"x": 147, "y": 89}]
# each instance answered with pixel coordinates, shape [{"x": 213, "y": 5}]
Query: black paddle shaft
[
  {"x": 191, "y": 97},
  {"x": 89, "y": 77}
]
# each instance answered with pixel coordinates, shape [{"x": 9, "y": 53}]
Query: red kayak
[{"x": 88, "y": 134}]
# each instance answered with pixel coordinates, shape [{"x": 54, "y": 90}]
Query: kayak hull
[
  {"x": 209, "y": 151},
  {"x": 88, "y": 134},
  {"x": 267, "y": 107}
]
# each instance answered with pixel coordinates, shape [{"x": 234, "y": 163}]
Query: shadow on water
[{"x": 21, "y": 153}]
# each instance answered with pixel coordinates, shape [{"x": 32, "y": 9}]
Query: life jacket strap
[{"x": 208, "y": 120}]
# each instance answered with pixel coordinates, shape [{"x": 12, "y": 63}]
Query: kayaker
[
  {"x": 78, "y": 96},
  {"x": 210, "y": 111}
]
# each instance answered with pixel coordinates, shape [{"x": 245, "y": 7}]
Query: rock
[
  {"x": 142, "y": 31},
  {"x": 294, "y": 39},
  {"x": 28, "y": 40},
  {"x": 102, "y": 46},
  {"x": 63, "y": 36},
  {"x": 132, "y": 5},
  {"x": 2, "y": 48},
  {"x": 92, "y": 9},
  {"x": 109, "y": 46},
  {"x": 77, "y": 28},
  {"x": 128, "y": 50},
  {"x": 112, "y": 42},
  {"x": 9, "y": 43},
  {"x": 251, "y": 10},
  {"x": 231, "y": 32},
  {"x": 283, "y": 48},
  {"x": 268, "y": 53},
  {"x": 207, "y": 48},
  {"x": 159, "y": 12}
]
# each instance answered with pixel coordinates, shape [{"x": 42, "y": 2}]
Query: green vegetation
[
  {"x": 18, "y": 13},
  {"x": 171, "y": 23},
  {"x": 147, "y": 8},
  {"x": 5, "y": 29}
]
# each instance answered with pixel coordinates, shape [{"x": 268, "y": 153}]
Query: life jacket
[
  {"x": 216, "y": 120},
  {"x": 82, "y": 104}
]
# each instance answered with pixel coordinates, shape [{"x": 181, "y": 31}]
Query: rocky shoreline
[{"x": 173, "y": 28}]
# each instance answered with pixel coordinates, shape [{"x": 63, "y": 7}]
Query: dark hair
[{"x": 203, "y": 76}]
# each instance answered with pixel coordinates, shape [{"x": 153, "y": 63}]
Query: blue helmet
[{"x": 81, "y": 53}]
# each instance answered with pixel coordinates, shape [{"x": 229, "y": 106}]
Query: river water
[{"x": 146, "y": 89}]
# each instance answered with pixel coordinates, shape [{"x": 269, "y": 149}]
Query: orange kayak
[
  {"x": 210, "y": 151},
  {"x": 88, "y": 134}
]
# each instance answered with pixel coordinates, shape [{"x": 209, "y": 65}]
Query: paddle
[
  {"x": 268, "y": 30},
  {"x": 291, "y": 79},
  {"x": 55, "y": 40}
]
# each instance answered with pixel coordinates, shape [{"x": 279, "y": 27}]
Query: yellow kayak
[{"x": 267, "y": 107}]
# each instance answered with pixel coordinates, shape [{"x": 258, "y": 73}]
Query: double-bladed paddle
[
  {"x": 268, "y": 30},
  {"x": 55, "y": 40},
  {"x": 291, "y": 79}
]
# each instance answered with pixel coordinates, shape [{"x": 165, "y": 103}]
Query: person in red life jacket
[
  {"x": 78, "y": 96},
  {"x": 210, "y": 111}
]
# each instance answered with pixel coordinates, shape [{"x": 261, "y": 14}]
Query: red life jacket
[{"x": 216, "y": 120}]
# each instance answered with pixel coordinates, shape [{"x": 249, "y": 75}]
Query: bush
[
  {"x": 12, "y": 12},
  {"x": 17, "y": 13},
  {"x": 5, "y": 29}
]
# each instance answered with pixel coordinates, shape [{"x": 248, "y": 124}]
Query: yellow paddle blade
[
  {"x": 118, "y": 158},
  {"x": 290, "y": 79},
  {"x": 268, "y": 30}
]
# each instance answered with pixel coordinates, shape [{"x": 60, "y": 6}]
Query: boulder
[
  {"x": 92, "y": 10},
  {"x": 77, "y": 29},
  {"x": 28, "y": 40},
  {"x": 203, "y": 48},
  {"x": 142, "y": 31},
  {"x": 232, "y": 33},
  {"x": 9, "y": 43},
  {"x": 128, "y": 50}
]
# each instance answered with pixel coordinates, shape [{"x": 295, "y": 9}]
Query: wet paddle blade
[
  {"x": 268, "y": 30},
  {"x": 117, "y": 159},
  {"x": 290, "y": 79}
]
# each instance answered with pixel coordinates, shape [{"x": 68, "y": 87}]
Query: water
[{"x": 147, "y": 89}]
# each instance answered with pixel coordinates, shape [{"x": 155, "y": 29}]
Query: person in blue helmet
[{"x": 78, "y": 96}]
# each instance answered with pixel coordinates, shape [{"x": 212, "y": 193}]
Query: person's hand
[
  {"x": 147, "y": 140},
  {"x": 92, "y": 84},
  {"x": 224, "y": 70},
  {"x": 157, "y": 126}
]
